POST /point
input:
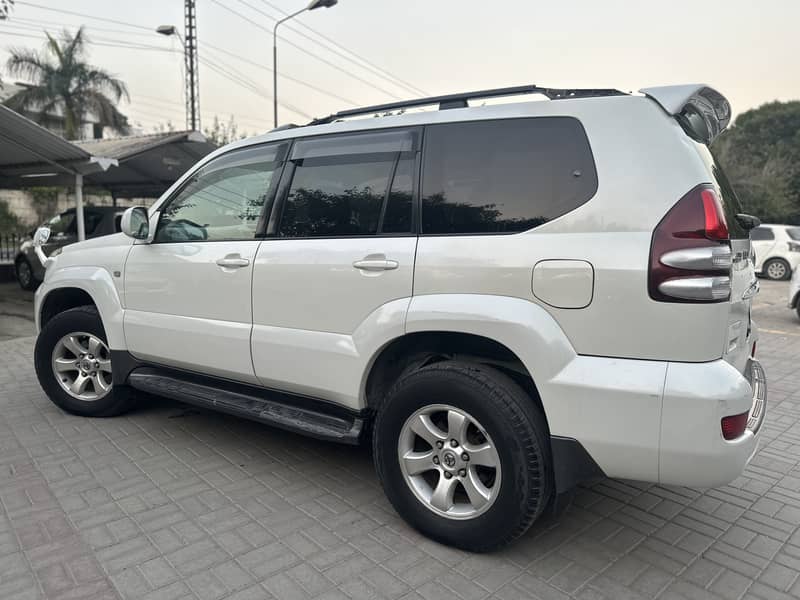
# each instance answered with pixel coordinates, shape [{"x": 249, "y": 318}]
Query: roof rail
[
  {"x": 461, "y": 100},
  {"x": 283, "y": 127}
]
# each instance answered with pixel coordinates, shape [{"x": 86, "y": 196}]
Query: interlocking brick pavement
[{"x": 173, "y": 502}]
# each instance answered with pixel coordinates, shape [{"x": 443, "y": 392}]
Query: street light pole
[
  {"x": 313, "y": 5},
  {"x": 189, "y": 46}
]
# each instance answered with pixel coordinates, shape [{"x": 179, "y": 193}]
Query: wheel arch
[
  {"x": 418, "y": 349},
  {"x": 79, "y": 286}
]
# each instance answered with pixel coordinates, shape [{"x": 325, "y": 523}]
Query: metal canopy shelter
[
  {"x": 137, "y": 166},
  {"x": 147, "y": 164},
  {"x": 31, "y": 155}
]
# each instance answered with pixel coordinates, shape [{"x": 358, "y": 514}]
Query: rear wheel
[
  {"x": 24, "y": 273},
  {"x": 73, "y": 364},
  {"x": 463, "y": 454},
  {"x": 777, "y": 269}
]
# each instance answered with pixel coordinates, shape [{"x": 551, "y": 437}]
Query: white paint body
[
  {"x": 782, "y": 246},
  {"x": 642, "y": 385}
]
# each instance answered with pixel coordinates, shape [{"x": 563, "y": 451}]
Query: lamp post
[
  {"x": 192, "y": 91},
  {"x": 314, "y": 4}
]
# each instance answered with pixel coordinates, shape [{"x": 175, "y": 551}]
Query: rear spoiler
[{"x": 702, "y": 111}]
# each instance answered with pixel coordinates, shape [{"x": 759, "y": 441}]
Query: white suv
[
  {"x": 777, "y": 250},
  {"x": 506, "y": 299}
]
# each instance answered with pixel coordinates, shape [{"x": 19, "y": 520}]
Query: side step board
[{"x": 264, "y": 406}]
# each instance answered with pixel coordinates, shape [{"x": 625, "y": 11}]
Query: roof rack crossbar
[{"x": 460, "y": 100}]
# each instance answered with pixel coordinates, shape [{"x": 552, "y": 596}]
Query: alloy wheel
[
  {"x": 449, "y": 461},
  {"x": 81, "y": 364}
]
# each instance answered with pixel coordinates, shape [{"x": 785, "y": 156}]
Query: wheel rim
[
  {"x": 81, "y": 364},
  {"x": 24, "y": 273},
  {"x": 776, "y": 270},
  {"x": 449, "y": 461}
]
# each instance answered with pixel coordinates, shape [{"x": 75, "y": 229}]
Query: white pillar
[{"x": 79, "y": 206}]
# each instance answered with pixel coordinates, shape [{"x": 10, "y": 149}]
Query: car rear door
[
  {"x": 341, "y": 251},
  {"x": 187, "y": 292},
  {"x": 763, "y": 240}
]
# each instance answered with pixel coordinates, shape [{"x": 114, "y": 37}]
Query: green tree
[
  {"x": 221, "y": 133},
  {"x": 761, "y": 155},
  {"x": 9, "y": 222},
  {"x": 62, "y": 79}
]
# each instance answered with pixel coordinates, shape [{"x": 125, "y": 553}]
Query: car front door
[
  {"x": 337, "y": 267},
  {"x": 187, "y": 292}
]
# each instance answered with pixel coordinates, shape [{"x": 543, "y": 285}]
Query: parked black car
[{"x": 97, "y": 220}]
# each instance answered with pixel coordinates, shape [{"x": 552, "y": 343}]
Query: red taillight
[
  {"x": 690, "y": 255},
  {"x": 753, "y": 353},
  {"x": 733, "y": 427},
  {"x": 716, "y": 228}
]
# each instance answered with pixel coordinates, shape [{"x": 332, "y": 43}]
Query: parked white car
[
  {"x": 777, "y": 250},
  {"x": 506, "y": 299},
  {"x": 794, "y": 292}
]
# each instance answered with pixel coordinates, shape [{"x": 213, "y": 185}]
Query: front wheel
[
  {"x": 463, "y": 455},
  {"x": 73, "y": 365}
]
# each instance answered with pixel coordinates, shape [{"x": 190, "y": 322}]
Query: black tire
[
  {"x": 85, "y": 319},
  {"x": 24, "y": 273},
  {"x": 513, "y": 421},
  {"x": 777, "y": 262}
]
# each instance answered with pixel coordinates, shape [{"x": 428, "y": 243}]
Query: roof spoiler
[{"x": 701, "y": 110}]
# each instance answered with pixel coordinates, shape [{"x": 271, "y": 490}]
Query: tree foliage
[
  {"x": 221, "y": 132},
  {"x": 761, "y": 155},
  {"x": 62, "y": 80}
]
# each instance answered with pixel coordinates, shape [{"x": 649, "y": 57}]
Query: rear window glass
[
  {"x": 504, "y": 176},
  {"x": 793, "y": 232}
]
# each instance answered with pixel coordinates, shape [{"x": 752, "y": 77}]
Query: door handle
[
  {"x": 233, "y": 262},
  {"x": 376, "y": 264}
]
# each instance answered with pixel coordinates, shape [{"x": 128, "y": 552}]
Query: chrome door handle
[
  {"x": 372, "y": 264},
  {"x": 233, "y": 262}
]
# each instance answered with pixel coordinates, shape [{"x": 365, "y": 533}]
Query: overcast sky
[{"x": 746, "y": 49}]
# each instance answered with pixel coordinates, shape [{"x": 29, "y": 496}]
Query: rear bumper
[{"x": 697, "y": 396}]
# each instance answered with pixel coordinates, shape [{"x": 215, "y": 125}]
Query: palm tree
[{"x": 63, "y": 80}]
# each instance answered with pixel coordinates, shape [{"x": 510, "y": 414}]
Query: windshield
[
  {"x": 61, "y": 224},
  {"x": 793, "y": 232}
]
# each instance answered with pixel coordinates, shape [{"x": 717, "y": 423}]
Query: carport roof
[
  {"x": 147, "y": 164},
  {"x": 29, "y": 149},
  {"x": 144, "y": 165}
]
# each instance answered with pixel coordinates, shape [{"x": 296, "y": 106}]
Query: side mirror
[
  {"x": 41, "y": 236},
  {"x": 135, "y": 223},
  {"x": 748, "y": 221}
]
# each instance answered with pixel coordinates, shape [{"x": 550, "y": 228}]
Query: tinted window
[
  {"x": 793, "y": 232},
  {"x": 504, "y": 176},
  {"x": 343, "y": 185},
  {"x": 762, "y": 233},
  {"x": 63, "y": 224},
  {"x": 118, "y": 223},
  {"x": 397, "y": 218},
  {"x": 90, "y": 221},
  {"x": 224, "y": 200}
]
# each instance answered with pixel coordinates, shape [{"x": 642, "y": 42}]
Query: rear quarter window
[
  {"x": 762, "y": 234},
  {"x": 504, "y": 176}
]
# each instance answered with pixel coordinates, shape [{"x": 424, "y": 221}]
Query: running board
[{"x": 257, "y": 404}]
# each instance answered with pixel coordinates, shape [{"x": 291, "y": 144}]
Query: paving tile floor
[{"x": 171, "y": 502}]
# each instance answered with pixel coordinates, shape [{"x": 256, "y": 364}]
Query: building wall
[{"x": 33, "y": 208}]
